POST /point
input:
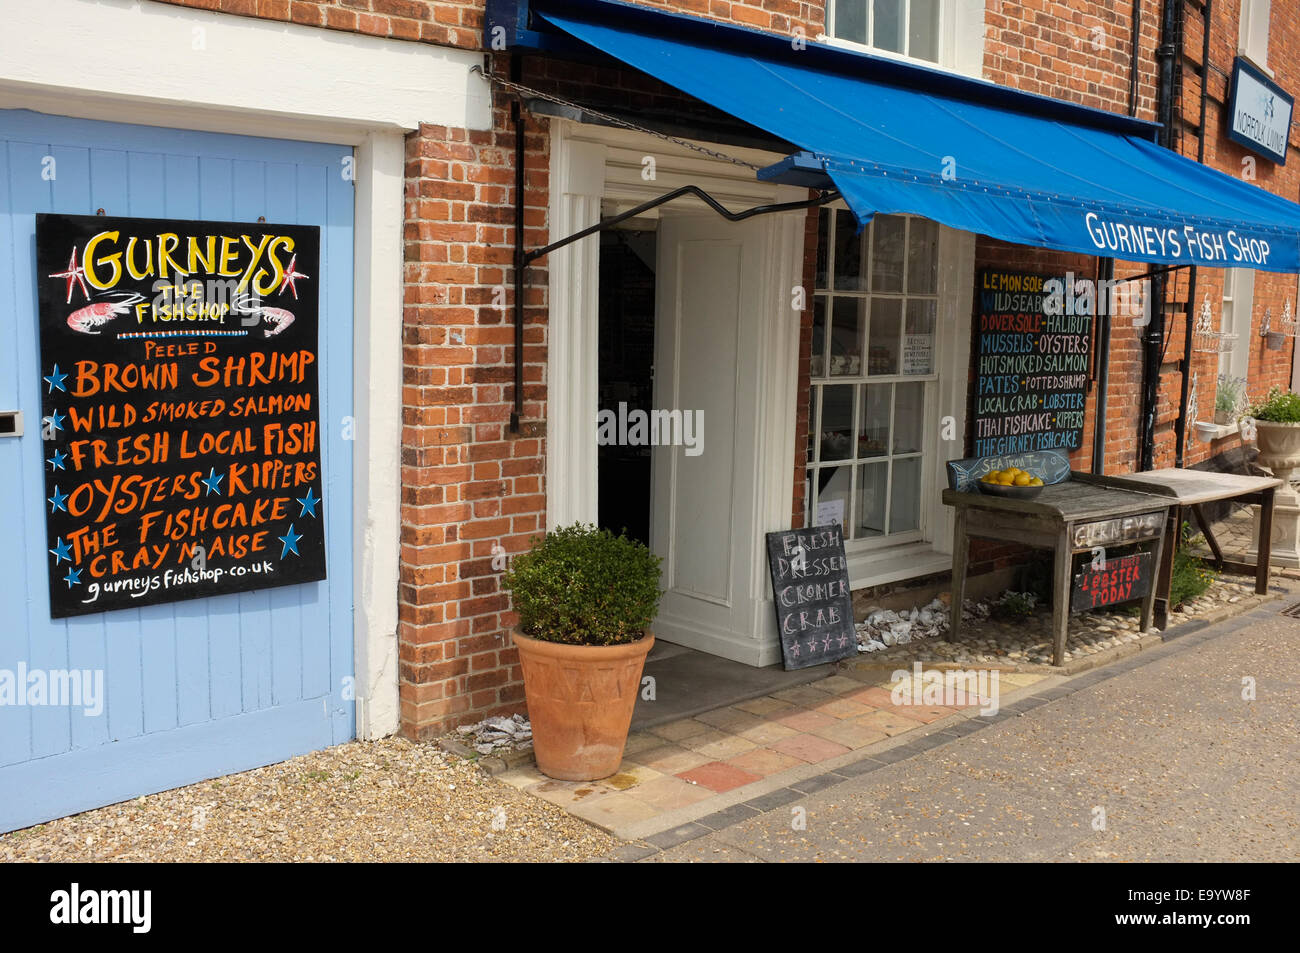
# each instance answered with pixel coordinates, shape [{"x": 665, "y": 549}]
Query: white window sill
[
  {"x": 876, "y": 567},
  {"x": 1207, "y": 430}
]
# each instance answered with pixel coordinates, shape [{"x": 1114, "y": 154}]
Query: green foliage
[
  {"x": 1280, "y": 406},
  {"x": 1191, "y": 576},
  {"x": 1228, "y": 396},
  {"x": 585, "y": 586},
  {"x": 1013, "y": 606}
]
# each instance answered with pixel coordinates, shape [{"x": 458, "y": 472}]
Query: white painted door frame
[
  {"x": 593, "y": 167},
  {"x": 256, "y": 77}
]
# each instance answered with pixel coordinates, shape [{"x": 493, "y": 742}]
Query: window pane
[
  {"x": 848, "y": 253},
  {"x": 923, "y": 30},
  {"x": 848, "y": 328},
  {"x": 918, "y": 338},
  {"x": 837, "y": 422},
  {"x": 887, "y": 25},
  {"x": 888, "y": 236},
  {"x": 922, "y": 257},
  {"x": 905, "y": 496},
  {"x": 823, "y": 246},
  {"x": 817, "y": 363},
  {"x": 909, "y": 410},
  {"x": 833, "y": 484},
  {"x": 873, "y": 424},
  {"x": 886, "y": 333},
  {"x": 851, "y": 20},
  {"x": 872, "y": 489}
]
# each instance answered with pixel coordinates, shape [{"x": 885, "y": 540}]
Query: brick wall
[{"x": 471, "y": 490}]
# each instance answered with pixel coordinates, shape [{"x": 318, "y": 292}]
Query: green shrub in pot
[
  {"x": 585, "y": 600},
  {"x": 585, "y": 586}
]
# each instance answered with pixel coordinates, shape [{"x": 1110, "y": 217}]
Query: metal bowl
[{"x": 1014, "y": 492}]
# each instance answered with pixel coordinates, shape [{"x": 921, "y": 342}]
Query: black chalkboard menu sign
[
  {"x": 180, "y": 402},
  {"x": 1033, "y": 338},
  {"x": 810, "y": 584}
]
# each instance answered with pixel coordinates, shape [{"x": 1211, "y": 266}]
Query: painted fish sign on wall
[{"x": 180, "y": 402}]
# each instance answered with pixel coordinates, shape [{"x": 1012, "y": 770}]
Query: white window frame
[
  {"x": 1235, "y": 318},
  {"x": 1253, "y": 30},
  {"x": 875, "y": 561},
  {"x": 960, "y": 45}
]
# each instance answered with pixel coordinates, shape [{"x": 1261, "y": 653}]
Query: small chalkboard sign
[
  {"x": 810, "y": 584},
  {"x": 1118, "y": 579}
]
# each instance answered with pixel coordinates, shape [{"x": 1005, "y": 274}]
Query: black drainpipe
[
  {"x": 1181, "y": 426},
  {"x": 517, "y": 114},
  {"x": 1155, "y": 330}
]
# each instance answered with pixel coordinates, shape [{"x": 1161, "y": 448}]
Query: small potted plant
[
  {"x": 1228, "y": 399},
  {"x": 585, "y": 599}
]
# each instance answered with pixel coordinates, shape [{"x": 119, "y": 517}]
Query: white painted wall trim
[
  {"x": 577, "y": 181},
  {"x": 377, "y": 414},
  {"x": 263, "y": 78},
  {"x": 206, "y": 61}
]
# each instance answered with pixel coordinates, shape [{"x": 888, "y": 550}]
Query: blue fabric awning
[{"x": 1047, "y": 176}]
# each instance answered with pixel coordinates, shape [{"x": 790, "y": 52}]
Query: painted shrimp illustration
[
  {"x": 278, "y": 318},
  {"x": 88, "y": 319}
]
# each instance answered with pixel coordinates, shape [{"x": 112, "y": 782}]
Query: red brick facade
[{"x": 472, "y": 490}]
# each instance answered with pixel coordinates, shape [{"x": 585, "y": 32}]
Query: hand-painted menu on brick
[
  {"x": 180, "y": 396},
  {"x": 810, "y": 583},
  {"x": 1032, "y": 350}
]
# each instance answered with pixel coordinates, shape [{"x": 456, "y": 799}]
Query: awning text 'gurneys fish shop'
[{"x": 1226, "y": 248}]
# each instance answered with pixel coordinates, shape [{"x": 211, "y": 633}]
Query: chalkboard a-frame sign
[{"x": 810, "y": 585}]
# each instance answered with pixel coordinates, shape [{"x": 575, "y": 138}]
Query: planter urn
[
  {"x": 580, "y": 700},
  {"x": 1279, "y": 450}
]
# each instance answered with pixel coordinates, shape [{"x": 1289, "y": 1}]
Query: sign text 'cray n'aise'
[
  {"x": 1032, "y": 354},
  {"x": 180, "y": 395},
  {"x": 810, "y": 585}
]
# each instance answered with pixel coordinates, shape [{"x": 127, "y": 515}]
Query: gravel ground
[{"x": 389, "y": 800}]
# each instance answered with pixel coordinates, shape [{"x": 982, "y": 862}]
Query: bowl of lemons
[{"x": 1012, "y": 482}]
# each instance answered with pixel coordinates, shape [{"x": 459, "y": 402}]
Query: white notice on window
[
  {"x": 829, "y": 511},
  {"x": 918, "y": 353}
]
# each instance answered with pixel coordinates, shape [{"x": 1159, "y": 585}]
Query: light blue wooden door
[{"x": 191, "y": 690}]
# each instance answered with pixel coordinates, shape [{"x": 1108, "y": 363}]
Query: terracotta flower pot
[{"x": 580, "y": 700}]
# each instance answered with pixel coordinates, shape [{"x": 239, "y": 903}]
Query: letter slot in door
[{"x": 11, "y": 423}]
